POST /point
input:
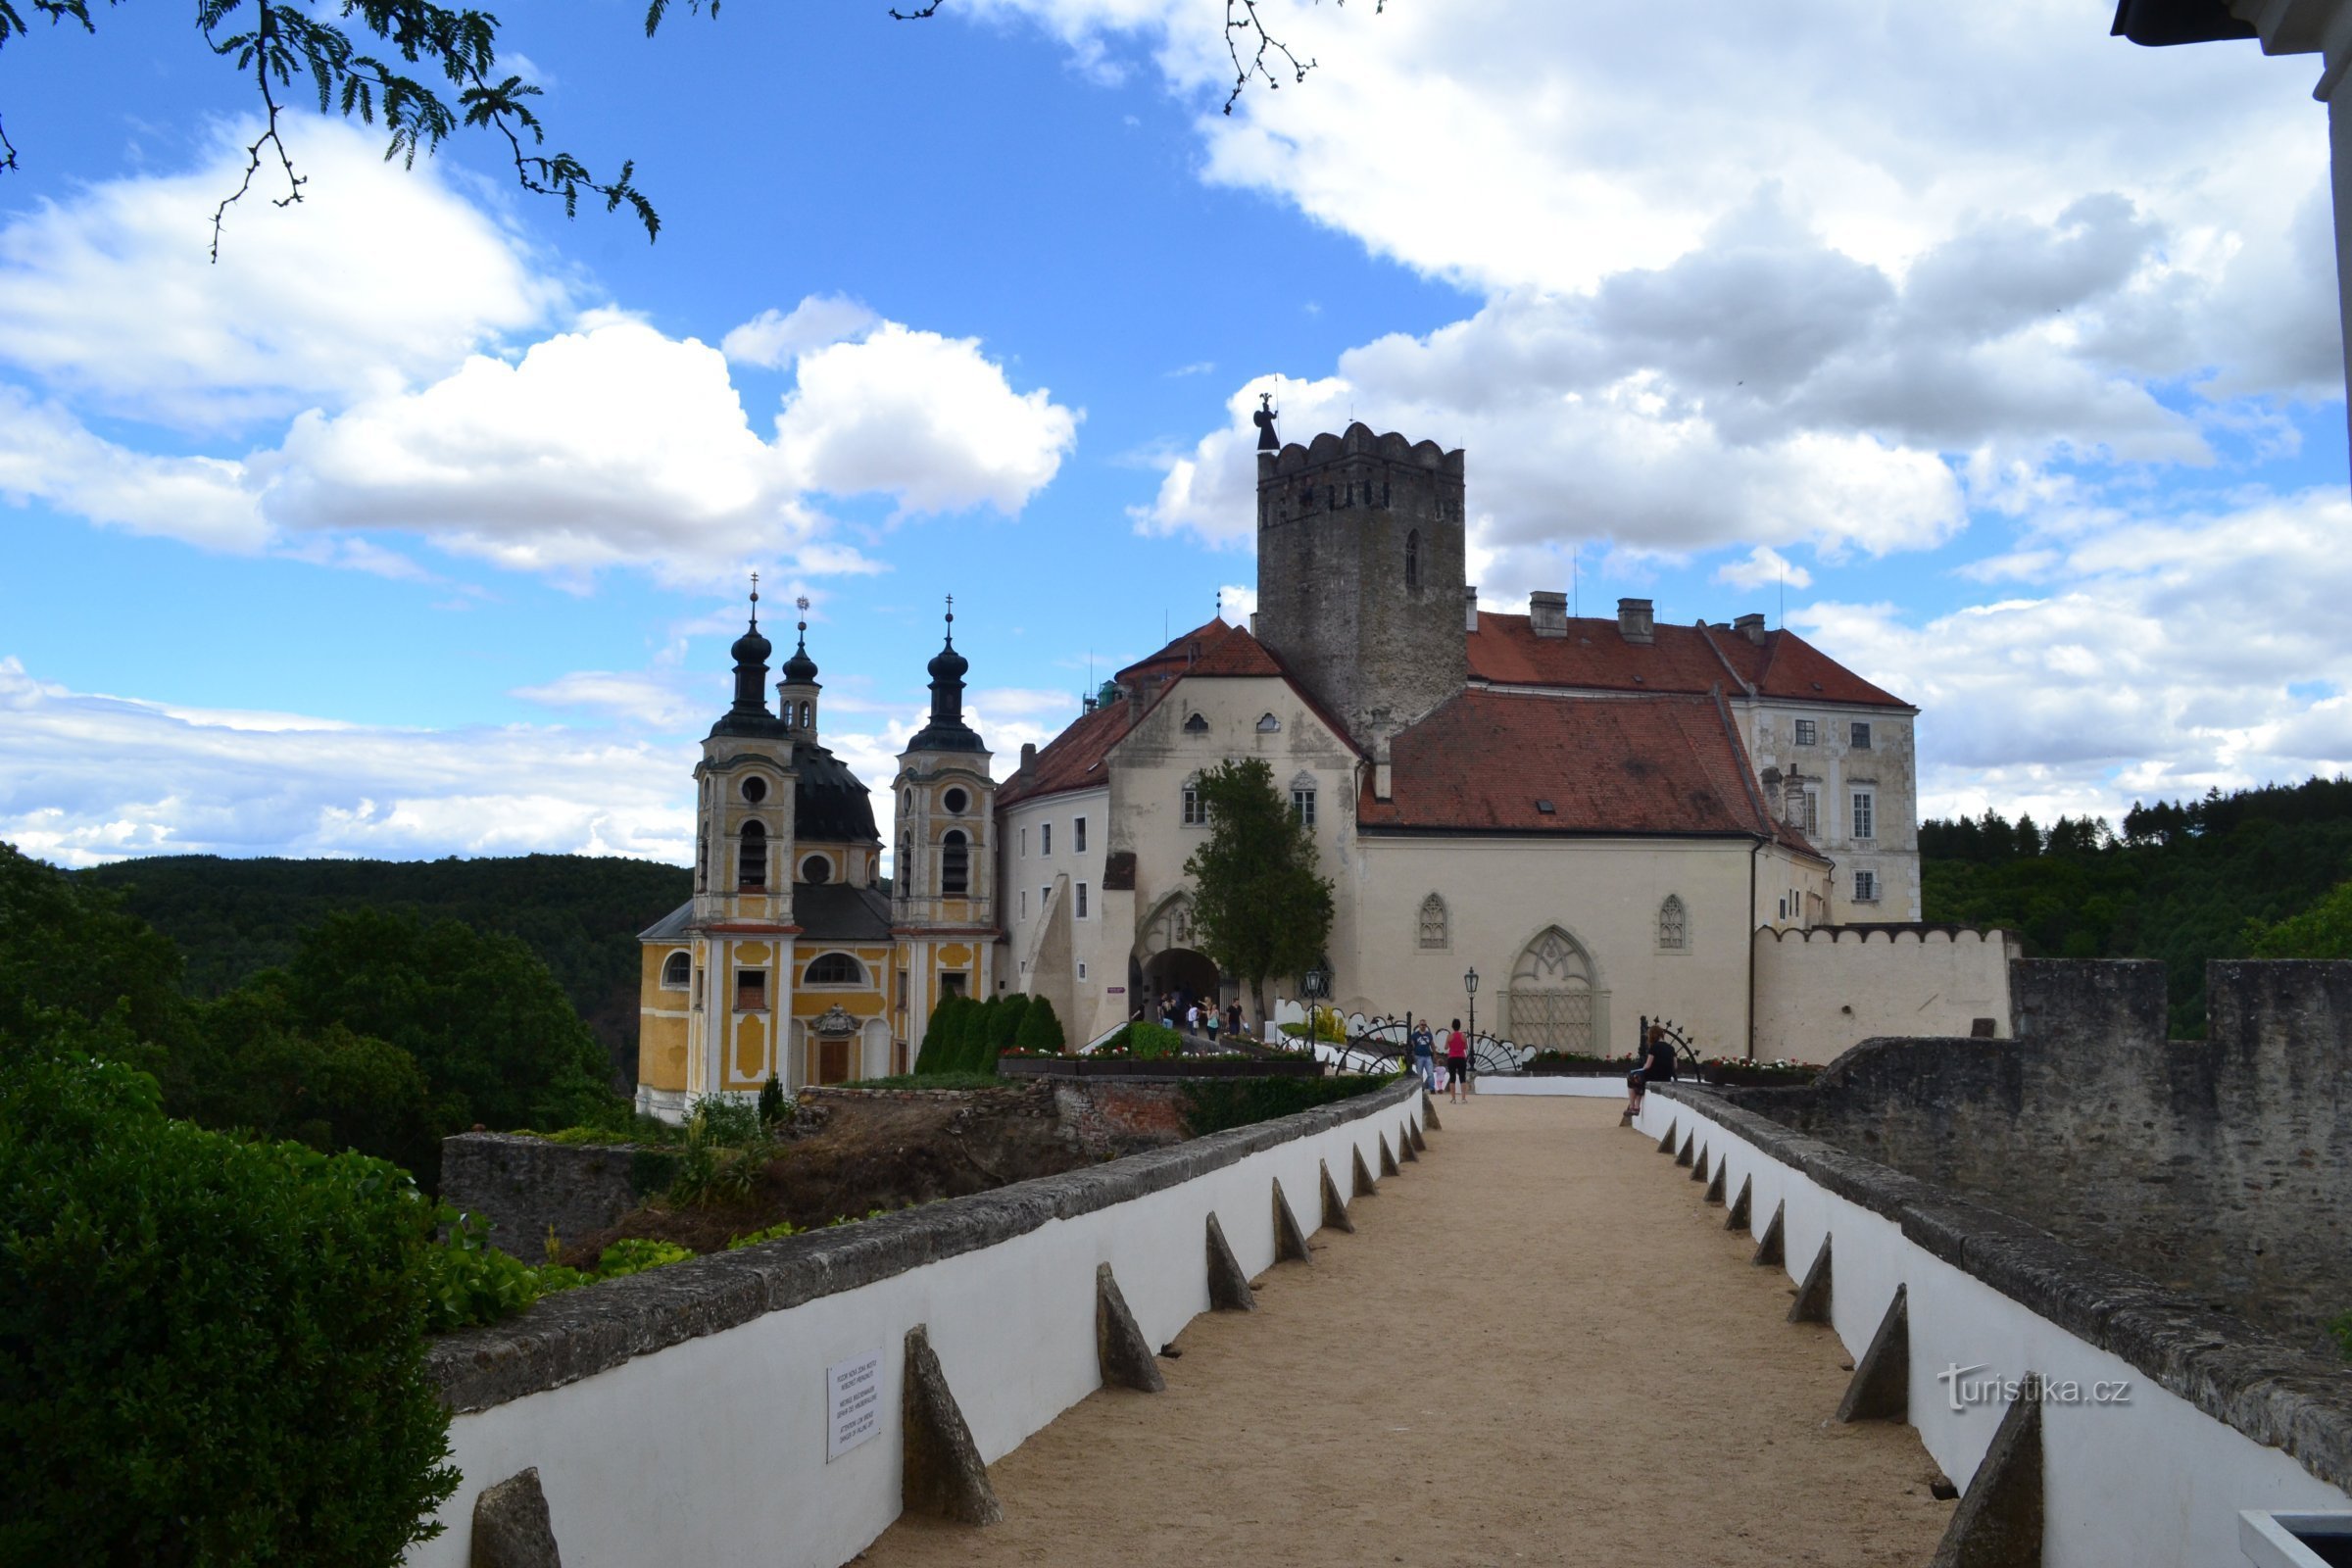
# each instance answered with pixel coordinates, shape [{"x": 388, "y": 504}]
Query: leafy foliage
[
  {"x": 1146, "y": 1041},
  {"x": 2323, "y": 931},
  {"x": 211, "y": 1351},
  {"x": 1214, "y": 1105},
  {"x": 2185, "y": 882},
  {"x": 469, "y": 1282},
  {"x": 1040, "y": 1029},
  {"x": 942, "y": 1038},
  {"x": 580, "y": 914},
  {"x": 1260, "y": 903}
]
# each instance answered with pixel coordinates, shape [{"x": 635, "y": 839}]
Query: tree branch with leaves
[{"x": 1261, "y": 904}]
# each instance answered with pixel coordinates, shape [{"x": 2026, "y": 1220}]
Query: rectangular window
[
  {"x": 1043, "y": 894},
  {"x": 951, "y": 982},
  {"x": 1024, "y": 904},
  {"x": 1866, "y": 887},
  {"x": 1078, "y": 836},
  {"x": 1045, "y": 838},
  {"x": 1865, "y": 816},
  {"x": 1804, "y": 732},
  {"x": 1861, "y": 737},
  {"x": 902, "y": 992},
  {"x": 1081, "y": 968},
  {"x": 750, "y": 991},
  {"x": 1081, "y": 901},
  {"x": 1193, "y": 814},
  {"x": 1812, "y": 814},
  {"x": 1024, "y": 843},
  {"x": 1302, "y": 805}
]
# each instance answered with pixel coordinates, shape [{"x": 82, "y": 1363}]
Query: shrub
[
  {"x": 943, "y": 1036},
  {"x": 773, "y": 1233},
  {"x": 211, "y": 1351},
  {"x": 979, "y": 1025},
  {"x": 469, "y": 1281},
  {"x": 1006, "y": 1028},
  {"x": 1147, "y": 1041},
  {"x": 773, "y": 1108},
  {"x": 636, "y": 1254},
  {"x": 1214, "y": 1105},
  {"x": 1040, "y": 1031}
]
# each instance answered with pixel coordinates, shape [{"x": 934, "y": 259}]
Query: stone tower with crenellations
[{"x": 1360, "y": 575}]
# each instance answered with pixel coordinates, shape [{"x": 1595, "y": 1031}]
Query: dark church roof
[
  {"x": 829, "y": 805},
  {"x": 836, "y": 911}
]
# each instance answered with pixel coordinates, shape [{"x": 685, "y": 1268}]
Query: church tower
[
  {"x": 943, "y": 897},
  {"x": 1360, "y": 574}
]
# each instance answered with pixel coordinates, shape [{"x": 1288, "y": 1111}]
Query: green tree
[
  {"x": 1261, "y": 902},
  {"x": 491, "y": 1030},
  {"x": 230, "y": 1333},
  {"x": 72, "y": 949},
  {"x": 1040, "y": 1028},
  {"x": 943, "y": 1036},
  {"x": 2323, "y": 931}
]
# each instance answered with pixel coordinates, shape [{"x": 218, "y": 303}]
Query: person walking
[
  {"x": 1457, "y": 1063},
  {"x": 1425, "y": 1056},
  {"x": 1211, "y": 1020}
]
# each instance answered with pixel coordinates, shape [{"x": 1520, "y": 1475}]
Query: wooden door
[{"x": 833, "y": 1059}]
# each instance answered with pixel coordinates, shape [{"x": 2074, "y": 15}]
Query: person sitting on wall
[
  {"x": 1457, "y": 1063},
  {"x": 1657, "y": 1067}
]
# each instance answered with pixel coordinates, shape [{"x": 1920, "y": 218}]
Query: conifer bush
[
  {"x": 1007, "y": 1029},
  {"x": 1040, "y": 1029},
  {"x": 211, "y": 1351},
  {"x": 943, "y": 1039}
]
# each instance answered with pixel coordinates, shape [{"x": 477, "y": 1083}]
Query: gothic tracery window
[
  {"x": 1432, "y": 921},
  {"x": 1672, "y": 924}
]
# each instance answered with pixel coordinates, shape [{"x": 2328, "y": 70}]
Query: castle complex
[{"x": 1600, "y": 816}]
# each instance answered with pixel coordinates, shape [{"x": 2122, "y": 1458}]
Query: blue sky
[{"x": 417, "y": 524}]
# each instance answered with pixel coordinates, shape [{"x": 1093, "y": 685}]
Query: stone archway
[
  {"x": 1554, "y": 1002},
  {"x": 1187, "y": 972}
]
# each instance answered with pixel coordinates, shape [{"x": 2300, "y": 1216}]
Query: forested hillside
[
  {"x": 579, "y": 913},
  {"x": 2184, "y": 882}
]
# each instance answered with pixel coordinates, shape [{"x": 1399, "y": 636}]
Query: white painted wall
[
  {"x": 2151, "y": 1483},
  {"x": 713, "y": 1450},
  {"x": 1820, "y": 993}
]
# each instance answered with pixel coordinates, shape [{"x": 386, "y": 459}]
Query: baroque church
[{"x": 1601, "y": 818}]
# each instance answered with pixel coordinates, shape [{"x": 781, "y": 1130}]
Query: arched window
[
  {"x": 750, "y": 860},
  {"x": 1196, "y": 725},
  {"x": 834, "y": 969},
  {"x": 817, "y": 868},
  {"x": 902, "y": 868},
  {"x": 1432, "y": 921},
  {"x": 955, "y": 866},
  {"x": 1413, "y": 561},
  {"x": 1673, "y": 925},
  {"x": 678, "y": 970}
]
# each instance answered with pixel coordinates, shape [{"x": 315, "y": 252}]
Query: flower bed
[
  {"x": 1568, "y": 1064},
  {"x": 1101, "y": 1065}
]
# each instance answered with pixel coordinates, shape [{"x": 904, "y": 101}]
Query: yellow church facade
[{"x": 794, "y": 959}]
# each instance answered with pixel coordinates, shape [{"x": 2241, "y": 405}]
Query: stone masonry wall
[
  {"x": 2213, "y": 1166},
  {"x": 522, "y": 1185}
]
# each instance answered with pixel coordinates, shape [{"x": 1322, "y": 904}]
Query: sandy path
[{"x": 1496, "y": 1368}]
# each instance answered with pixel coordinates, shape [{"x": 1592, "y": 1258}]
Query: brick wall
[{"x": 2214, "y": 1166}]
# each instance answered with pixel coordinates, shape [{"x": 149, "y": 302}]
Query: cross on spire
[
  {"x": 754, "y": 601},
  {"x": 950, "y": 620}
]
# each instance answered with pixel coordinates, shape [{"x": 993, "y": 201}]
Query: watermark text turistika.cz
[{"x": 1965, "y": 1386}]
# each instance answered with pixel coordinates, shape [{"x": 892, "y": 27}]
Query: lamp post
[{"x": 1470, "y": 985}]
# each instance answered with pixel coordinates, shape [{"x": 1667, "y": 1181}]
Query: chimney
[
  {"x": 1792, "y": 797},
  {"x": 1381, "y": 768},
  {"x": 1029, "y": 750},
  {"x": 1751, "y": 627},
  {"x": 1253, "y": 624},
  {"x": 1634, "y": 622},
  {"x": 1470, "y": 609},
  {"x": 1548, "y": 614}
]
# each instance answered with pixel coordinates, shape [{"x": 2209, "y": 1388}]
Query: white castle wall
[
  {"x": 1821, "y": 992},
  {"x": 2152, "y": 1480},
  {"x": 712, "y": 1447}
]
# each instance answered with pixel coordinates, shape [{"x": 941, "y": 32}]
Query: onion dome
[
  {"x": 800, "y": 669},
  {"x": 947, "y": 731}
]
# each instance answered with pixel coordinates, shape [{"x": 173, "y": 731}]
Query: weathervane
[
  {"x": 1263, "y": 419},
  {"x": 802, "y": 604}
]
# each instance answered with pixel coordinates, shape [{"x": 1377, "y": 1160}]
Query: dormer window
[{"x": 1268, "y": 724}]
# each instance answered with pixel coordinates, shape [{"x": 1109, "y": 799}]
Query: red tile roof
[
  {"x": 1668, "y": 764},
  {"x": 1073, "y": 760},
  {"x": 1595, "y": 656}
]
